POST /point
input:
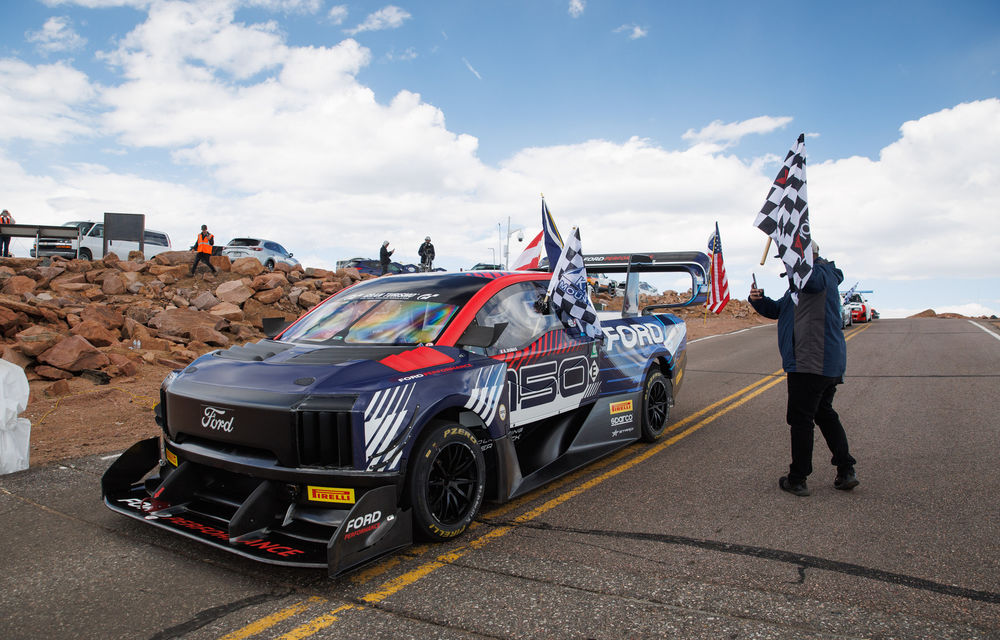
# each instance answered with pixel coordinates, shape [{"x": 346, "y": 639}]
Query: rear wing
[{"x": 693, "y": 263}]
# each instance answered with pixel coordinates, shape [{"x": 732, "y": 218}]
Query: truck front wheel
[{"x": 447, "y": 479}]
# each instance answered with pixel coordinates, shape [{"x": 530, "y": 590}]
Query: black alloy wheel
[
  {"x": 657, "y": 396},
  {"x": 447, "y": 482}
]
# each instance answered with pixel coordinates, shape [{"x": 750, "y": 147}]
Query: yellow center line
[{"x": 267, "y": 622}]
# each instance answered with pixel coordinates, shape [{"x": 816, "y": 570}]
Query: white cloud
[
  {"x": 576, "y": 8},
  {"x": 56, "y": 35},
  {"x": 337, "y": 14},
  {"x": 287, "y": 6},
  {"x": 44, "y": 103},
  {"x": 468, "y": 65},
  {"x": 389, "y": 17},
  {"x": 729, "y": 134},
  {"x": 634, "y": 31}
]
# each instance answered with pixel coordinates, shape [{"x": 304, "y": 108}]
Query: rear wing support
[{"x": 694, "y": 263}]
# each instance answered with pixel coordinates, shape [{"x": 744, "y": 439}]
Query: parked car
[
  {"x": 92, "y": 243},
  {"x": 374, "y": 267},
  {"x": 647, "y": 289},
  {"x": 486, "y": 266},
  {"x": 389, "y": 413},
  {"x": 268, "y": 252},
  {"x": 601, "y": 283}
]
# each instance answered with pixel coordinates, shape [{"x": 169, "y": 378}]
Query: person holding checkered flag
[{"x": 568, "y": 294}]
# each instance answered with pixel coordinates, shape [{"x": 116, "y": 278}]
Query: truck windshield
[{"x": 373, "y": 321}]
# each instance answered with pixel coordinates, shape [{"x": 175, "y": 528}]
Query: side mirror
[
  {"x": 274, "y": 326},
  {"x": 479, "y": 336}
]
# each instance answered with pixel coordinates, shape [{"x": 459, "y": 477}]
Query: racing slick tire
[
  {"x": 447, "y": 480},
  {"x": 657, "y": 393}
]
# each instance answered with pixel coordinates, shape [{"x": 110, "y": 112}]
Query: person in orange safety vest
[
  {"x": 5, "y": 218},
  {"x": 203, "y": 249}
]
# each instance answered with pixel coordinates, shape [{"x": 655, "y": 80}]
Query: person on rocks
[
  {"x": 814, "y": 357},
  {"x": 384, "y": 256},
  {"x": 203, "y": 249},
  {"x": 426, "y": 253},
  {"x": 5, "y": 218}
]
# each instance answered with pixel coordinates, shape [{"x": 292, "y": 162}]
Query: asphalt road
[{"x": 686, "y": 538}]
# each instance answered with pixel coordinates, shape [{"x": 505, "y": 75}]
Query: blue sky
[{"x": 329, "y": 126}]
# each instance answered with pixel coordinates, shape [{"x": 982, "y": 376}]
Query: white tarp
[{"x": 14, "y": 432}]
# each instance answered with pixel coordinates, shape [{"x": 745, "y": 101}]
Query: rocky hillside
[{"x": 104, "y": 319}]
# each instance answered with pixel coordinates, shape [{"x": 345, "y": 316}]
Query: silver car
[{"x": 268, "y": 252}]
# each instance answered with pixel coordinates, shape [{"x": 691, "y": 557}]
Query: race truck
[{"x": 393, "y": 409}]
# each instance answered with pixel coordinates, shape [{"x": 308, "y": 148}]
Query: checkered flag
[
  {"x": 785, "y": 218},
  {"x": 568, "y": 293}
]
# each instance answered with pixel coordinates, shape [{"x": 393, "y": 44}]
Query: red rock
[
  {"x": 74, "y": 354},
  {"x": 57, "y": 389},
  {"x": 269, "y": 296},
  {"x": 37, "y": 339},
  {"x": 234, "y": 291},
  {"x": 247, "y": 267},
  {"x": 52, "y": 373},
  {"x": 96, "y": 333},
  {"x": 104, "y": 315},
  {"x": 19, "y": 285}
]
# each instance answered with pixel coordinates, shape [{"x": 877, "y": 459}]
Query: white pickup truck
[{"x": 92, "y": 243}]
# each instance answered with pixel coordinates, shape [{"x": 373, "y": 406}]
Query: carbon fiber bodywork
[{"x": 295, "y": 452}]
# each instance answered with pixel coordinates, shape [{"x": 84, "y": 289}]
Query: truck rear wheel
[
  {"x": 657, "y": 394},
  {"x": 447, "y": 479}
]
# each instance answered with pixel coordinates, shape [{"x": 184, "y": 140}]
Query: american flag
[
  {"x": 568, "y": 290},
  {"x": 553, "y": 241},
  {"x": 718, "y": 294},
  {"x": 785, "y": 218}
]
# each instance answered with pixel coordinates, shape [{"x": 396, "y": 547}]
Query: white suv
[{"x": 92, "y": 243}]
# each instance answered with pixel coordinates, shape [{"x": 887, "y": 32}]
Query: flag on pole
[
  {"x": 850, "y": 292},
  {"x": 553, "y": 241},
  {"x": 531, "y": 255},
  {"x": 785, "y": 218},
  {"x": 718, "y": 294},
  {"x": 568, "y": 293}
]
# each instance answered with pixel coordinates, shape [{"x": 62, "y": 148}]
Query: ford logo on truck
[{"x": 217, "y": 419}]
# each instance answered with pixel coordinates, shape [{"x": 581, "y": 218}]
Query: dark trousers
[
  {"x": 4, "y": 245},
  {"x": 810, "y": 400},
  {"x": 201, "y": 257},
  {"x": 385, "y": 268}
]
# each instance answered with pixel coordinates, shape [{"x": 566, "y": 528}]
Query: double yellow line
[{"x": 690, "y": 424}]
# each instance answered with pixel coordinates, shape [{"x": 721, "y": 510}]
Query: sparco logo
[
  {"x": 620, "y": 420},
  {"x": 217, "y": 419}
]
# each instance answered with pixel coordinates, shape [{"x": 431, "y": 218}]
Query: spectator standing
[
  {"x": 5, "y": 218},
  {"x": 426, "y": 253},
  {"x": 384, "y": 256},
  {"x": 814, "y": 357},
  {"x": 203, "y": 249}
]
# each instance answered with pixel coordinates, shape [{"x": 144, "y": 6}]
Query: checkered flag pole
[
  {"x": 568, "y": 293},
  {"x": 785, "y": 218}
]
